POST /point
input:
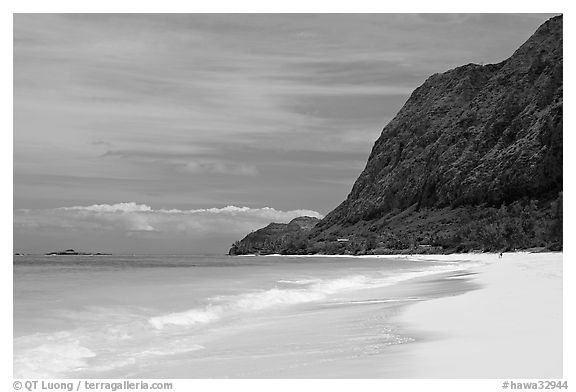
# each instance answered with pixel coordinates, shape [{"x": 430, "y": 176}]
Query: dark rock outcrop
[
  {"x": 277, "y": 238},
  {"x": 72, "y": 252}
]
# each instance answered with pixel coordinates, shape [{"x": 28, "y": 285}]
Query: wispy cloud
[
  {"x": 194, "y": 163},
  {"x": 219, "y": 167}
]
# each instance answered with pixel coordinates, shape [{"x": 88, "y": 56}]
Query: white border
[{"x": 247, "y": 6}]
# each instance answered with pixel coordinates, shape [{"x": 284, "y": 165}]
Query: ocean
[{"x": 176, "y": 316}]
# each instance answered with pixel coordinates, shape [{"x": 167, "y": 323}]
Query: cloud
[
  {"x": 133, "y": 218},
  {"x": 182, "y": 163},
  {"x": 118, "y": 207},
  {"x": 219, "y": 167}
]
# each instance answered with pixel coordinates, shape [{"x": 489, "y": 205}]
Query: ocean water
[{"x": 217, "y": 316}]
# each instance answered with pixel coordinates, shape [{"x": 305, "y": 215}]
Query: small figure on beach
[{"x": 500, "y": 255}]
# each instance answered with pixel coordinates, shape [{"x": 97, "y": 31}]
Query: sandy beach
[{"x": 510, "y": 327}]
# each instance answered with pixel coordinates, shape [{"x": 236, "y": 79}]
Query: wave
[
  {"x": 316, "y": 290},
  {"x": 44, "y": 355},
  {"x": 100, "y": 347},
  {"x": 375, "y": 301},
  {"x": 298, "y": 281}
]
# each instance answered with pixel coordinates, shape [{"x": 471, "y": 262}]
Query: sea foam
[
  {"x": 314, "y": 290},
  {"x": 47, "y": 355}
]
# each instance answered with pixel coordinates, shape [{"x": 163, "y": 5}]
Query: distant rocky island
[
  {"x": 472, "y": 162},
  {"x": 72, "y": 252}
]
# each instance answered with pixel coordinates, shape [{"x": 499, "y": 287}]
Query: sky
[{"x": 180, "y": 133}]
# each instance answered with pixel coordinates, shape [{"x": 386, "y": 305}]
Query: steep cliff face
[
  {"x": 476, "y": 134},
  {"x": 473, "y": 160}
]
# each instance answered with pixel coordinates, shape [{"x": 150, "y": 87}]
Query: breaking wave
[
  {"x": 314, "y": 290},
  {"x": 44, "y": 355}
]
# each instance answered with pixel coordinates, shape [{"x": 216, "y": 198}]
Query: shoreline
[
  {"x": 354, "y": 335},
  {"x": 432, "y": 256}
]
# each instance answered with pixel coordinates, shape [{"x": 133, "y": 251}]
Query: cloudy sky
[{"x": 181, "y": 133}]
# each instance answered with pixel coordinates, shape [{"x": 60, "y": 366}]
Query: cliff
[
  {"x": 473, "y": 160},
  {"x": 277, "y": 238},
  {"x": 476, "y": 134}
]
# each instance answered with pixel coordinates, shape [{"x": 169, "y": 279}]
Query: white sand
[{"x": 510, "y": 328}]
